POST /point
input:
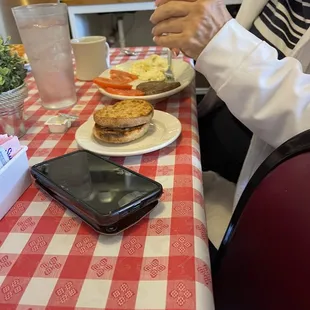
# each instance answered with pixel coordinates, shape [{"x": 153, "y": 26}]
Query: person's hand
[{"x": 188, "y": 25}]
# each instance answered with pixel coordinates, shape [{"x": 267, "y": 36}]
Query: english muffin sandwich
[{"x": 123, "y": 122}]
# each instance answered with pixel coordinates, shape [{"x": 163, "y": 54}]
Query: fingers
[
  {"x": 169, "y": 10},
  {"x": 172, "y": 40},
  {"x": 172, "y": 25},
  {"x": 175, "y": 52},
  {"x": 161, "y": 2}
]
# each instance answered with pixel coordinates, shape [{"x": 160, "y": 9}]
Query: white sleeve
[{"x": 270, "y": 96}]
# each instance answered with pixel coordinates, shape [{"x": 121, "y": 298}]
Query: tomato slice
[
  {"x": 122, "y": 74},
  {"x": 124, "y": 92},
  {"x": 104, "y": 83},
  {"x": 121, "y": 79}
]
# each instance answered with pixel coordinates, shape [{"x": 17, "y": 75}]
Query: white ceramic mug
[{"x": 92, "y": 56}]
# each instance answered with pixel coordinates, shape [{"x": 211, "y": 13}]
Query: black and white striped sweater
[{"x": 282, "y": 23}]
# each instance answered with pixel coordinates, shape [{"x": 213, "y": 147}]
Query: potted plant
[{"x": 13, "y": 90}]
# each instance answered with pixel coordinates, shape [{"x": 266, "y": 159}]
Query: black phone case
[
  {"x": 113, "y": 229},
  {"x": 111, "y": 223}
]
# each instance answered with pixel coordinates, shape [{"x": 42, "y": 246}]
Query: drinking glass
[{"x": 44, "y": 31}]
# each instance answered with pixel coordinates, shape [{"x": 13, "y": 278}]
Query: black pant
[{"x": 224, "y": 142}]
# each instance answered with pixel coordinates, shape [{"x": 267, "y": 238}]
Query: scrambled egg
[{"x": 150, "y": 69}]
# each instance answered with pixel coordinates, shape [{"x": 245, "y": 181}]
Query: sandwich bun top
[{"x": 123, "y": 114}]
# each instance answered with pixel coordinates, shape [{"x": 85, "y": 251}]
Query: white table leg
[{"x": 121, "y": 35}]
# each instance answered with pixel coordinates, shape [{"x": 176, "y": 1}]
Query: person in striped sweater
[{"x": 258, "y": 66}]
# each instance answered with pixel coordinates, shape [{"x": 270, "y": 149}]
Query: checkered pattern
[{"x": 49, "y": 259}]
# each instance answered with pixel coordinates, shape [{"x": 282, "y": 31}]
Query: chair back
[{"x": 264, "y": 260}]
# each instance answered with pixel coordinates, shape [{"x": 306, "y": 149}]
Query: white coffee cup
[{"x": 92, "y": 56}]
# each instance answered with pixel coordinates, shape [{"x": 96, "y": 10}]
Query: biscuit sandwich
[{"x": 123, "y": 122}]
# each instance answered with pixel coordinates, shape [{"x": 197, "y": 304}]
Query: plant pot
[{"x": 12, "y": 111}]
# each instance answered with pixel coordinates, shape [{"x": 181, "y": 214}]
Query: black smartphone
[{"x": 107, "y": 196}]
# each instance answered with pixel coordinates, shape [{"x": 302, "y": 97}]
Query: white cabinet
[{"x": 81, "y": 19}]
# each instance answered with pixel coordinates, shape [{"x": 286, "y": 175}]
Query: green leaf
[{"x": 4, "y": 71}]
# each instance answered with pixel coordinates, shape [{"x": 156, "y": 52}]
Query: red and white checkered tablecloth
[{"x": 50, "y": 260}]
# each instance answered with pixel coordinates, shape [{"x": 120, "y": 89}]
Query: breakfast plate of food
[
  {"x": 129, "y": 127},
  {"x": 144, "y": 79}
]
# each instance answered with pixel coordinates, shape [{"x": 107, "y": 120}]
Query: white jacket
[{"x": 271, "y": 97}]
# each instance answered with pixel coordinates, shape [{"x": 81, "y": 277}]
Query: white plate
[
  {"x": 164, "y": 129},
  {"x": 183, "y": 73}
]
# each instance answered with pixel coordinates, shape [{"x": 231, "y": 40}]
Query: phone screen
[{"x": 102, "y": 185}]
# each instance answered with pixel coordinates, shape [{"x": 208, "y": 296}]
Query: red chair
[{"x": 264, "y": 260}]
